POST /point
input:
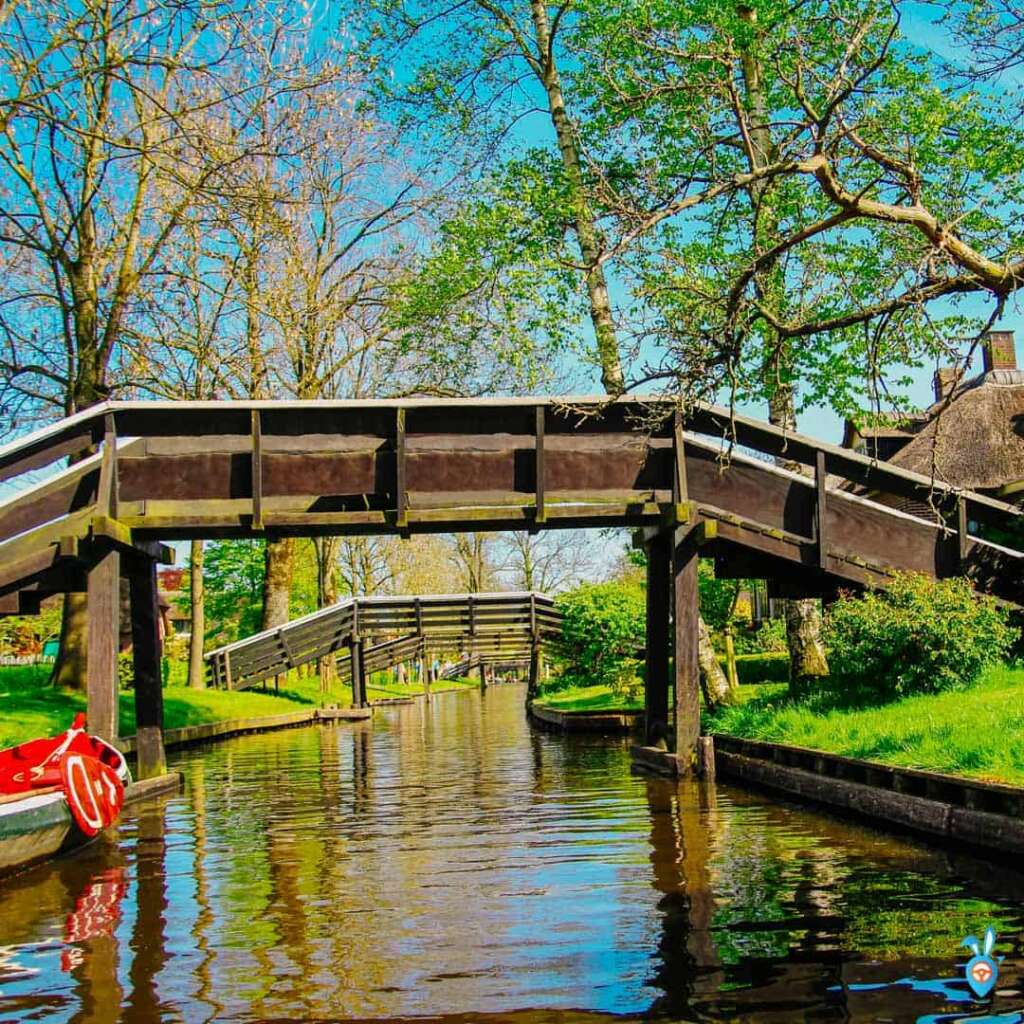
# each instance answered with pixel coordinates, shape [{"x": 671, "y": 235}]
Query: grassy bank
[
  {"x": 589, "y": 698},
  {"x": 751, "y": 669},
  {"x": 29, "y": 707},
  {"x": 977, "y": 733}
]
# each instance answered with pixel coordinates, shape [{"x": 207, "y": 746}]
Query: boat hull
[{"x": 36, "y": 827}]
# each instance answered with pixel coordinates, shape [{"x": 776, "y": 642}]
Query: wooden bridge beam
[
  {"x": 103, "y": 612},
  {"x": 659, "y": 610},
  {"x": 146, "y": 651},
  {"x": 358, "y": 675},
  {"x": 686, "y": 669}
]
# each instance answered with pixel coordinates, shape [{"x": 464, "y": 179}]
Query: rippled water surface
[{"x": 449, "y": 862}]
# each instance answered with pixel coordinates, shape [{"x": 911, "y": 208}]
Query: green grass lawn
[
  {"x": 977, "y": 733},
  {"x": 589, "y": 698},
  {"x": 30, "y": 707}
]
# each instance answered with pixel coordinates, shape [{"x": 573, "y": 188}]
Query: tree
[
  {"x": 549, "y": 562},
  {"x": 233, "y": 576},
  {"x": 754, "y": 136},
  {"x": 474, "y": 558},
  {"x": 116, "y": 122},
  {"x": 468, "y": 79}
]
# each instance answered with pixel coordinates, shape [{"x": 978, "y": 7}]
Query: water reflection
[{"x": 448, "y": 863}]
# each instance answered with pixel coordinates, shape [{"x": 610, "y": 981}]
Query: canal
[{"x": 450, "y": 863}]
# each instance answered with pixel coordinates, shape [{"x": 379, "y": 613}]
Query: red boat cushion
[
  {"x": 93, "y": 790},
  {"x": 35, "y": 764}
]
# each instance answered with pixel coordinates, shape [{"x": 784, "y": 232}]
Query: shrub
[
  {"x": 919, "y": 636},
  {"x": 770, "y": 637},
  {"x": 770, "y": 667},
  {"x": 603, "y": 631}
]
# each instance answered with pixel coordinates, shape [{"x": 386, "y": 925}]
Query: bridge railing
[{"x": 161, "y": 470}]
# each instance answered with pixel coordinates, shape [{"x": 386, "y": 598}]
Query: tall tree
[
  {"x": 511, "y": 239},
  {"x": 474, "y": 558},
  {"x": 549, "y": 562},
  {"x": 476, "y": 75},
  {"x": 117, "y": 120}
]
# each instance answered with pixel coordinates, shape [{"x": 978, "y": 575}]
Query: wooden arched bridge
[
  {"x": 157, "y": 471},
  {"x": 368, "y": 634}
]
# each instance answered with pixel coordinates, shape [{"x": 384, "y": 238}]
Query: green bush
[
  {"x": 769, "y": 638},
  {"x": 769, "y": 667},
  {"x": 918, "y": 636},
  {"x": 603, "y": 634}
]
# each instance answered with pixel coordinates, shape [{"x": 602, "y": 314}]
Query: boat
[{"x": 57, "y": 794}]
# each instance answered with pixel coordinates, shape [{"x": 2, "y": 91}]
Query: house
[
  {"x": 173, "y": 608},
  {"x": 971, "y": 436}
]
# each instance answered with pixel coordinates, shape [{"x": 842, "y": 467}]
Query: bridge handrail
[{"x": 715, "y": 421}]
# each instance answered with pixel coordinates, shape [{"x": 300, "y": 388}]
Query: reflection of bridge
[
  {"x": 490, "y": 628},
  {"x": 250, "y": 469}
]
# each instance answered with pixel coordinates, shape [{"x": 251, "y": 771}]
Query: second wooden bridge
[{"x": 497, "y": 628}]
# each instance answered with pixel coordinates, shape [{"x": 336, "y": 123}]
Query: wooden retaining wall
[
  {"x": 192, "y": 734},
  {"x": 989, "y": 816},
  {"x": 587, "y": 721}
]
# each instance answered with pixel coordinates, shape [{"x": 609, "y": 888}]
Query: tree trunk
[
  {"x": 70, "y": 667},
  {"x": 326, "y": 595},
  {"x": 807, "y": 662},
  {"x": 713, "y": 680},
  {"x": 586, "y": 228},
  {"x": 277, "y": 581},
  {"x": 196, "y": 667}
]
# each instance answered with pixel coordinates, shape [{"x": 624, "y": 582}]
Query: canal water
[{"x": 450, "y": 863}]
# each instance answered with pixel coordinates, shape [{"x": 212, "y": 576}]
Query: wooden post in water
[
  {"x": 536, "y": 668},
  {"x": 146, "y": 652},
  {"x": 686, "y": 668},
  {"x": 483, "y": 676},
  {"x": 103, "y": 608},
  {"x": 659, "y": 614},
  {"x": 358, "y": 675}
]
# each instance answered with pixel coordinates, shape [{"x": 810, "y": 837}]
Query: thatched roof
[{"x": 978, "y": 439}]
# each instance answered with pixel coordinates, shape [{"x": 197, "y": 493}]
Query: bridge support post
[
  {"x": 659, "y": 613},
  {"x": 483, "y": 676},
  {"x": 146, "y": 651},
  {"x": 358, "y": 675},
  {"x": 103, "y": 606},
  {"x": 686, "y": 666},
  {"x": 536, "y": 673}
]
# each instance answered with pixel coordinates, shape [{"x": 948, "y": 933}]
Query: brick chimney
[
  {"x": 999, "y": 351},
  {"x": 946, "y": 378}
]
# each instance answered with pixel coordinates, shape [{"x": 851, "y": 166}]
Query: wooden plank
[
  {"x": 358, "y": 675},
  {"x": 401, "y": 500},
  {"x": 539, "y": 445},
  {"x": 103, "y": 609},
  {"x": 69, "y": 438},
  {"x": 680, "y": 486},
  {"x": 106, "y": 497},
  {"x": 257, "y": 471},
  {"x": 146, "y": 654},
  {"x": 962, "y": 536},
  {"x": 67, "y": 492},
  {"x": 821, "y": 508}
]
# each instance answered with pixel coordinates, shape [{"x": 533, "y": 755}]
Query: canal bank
[{"x": 453, "y": 863}]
